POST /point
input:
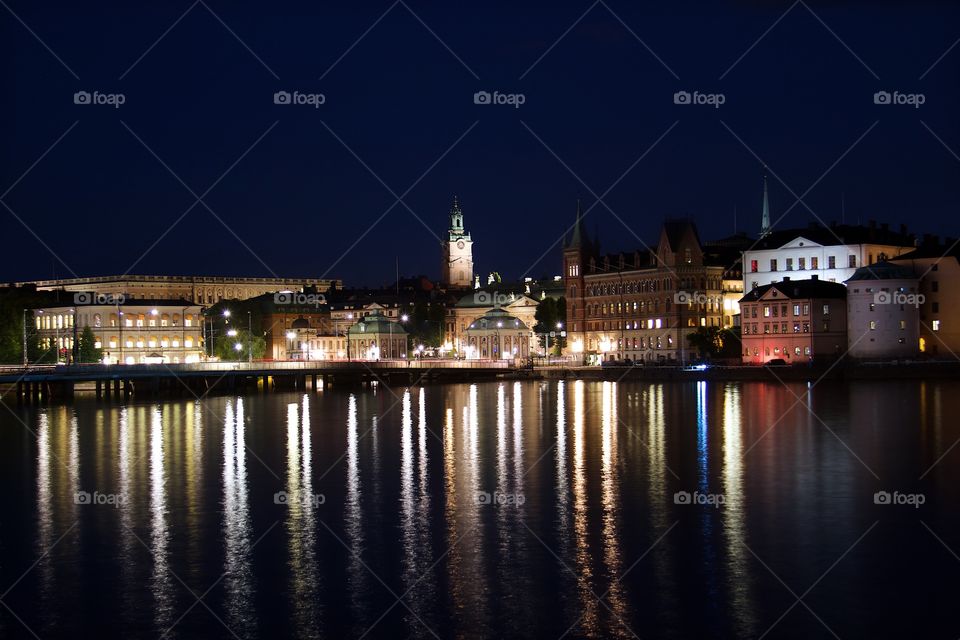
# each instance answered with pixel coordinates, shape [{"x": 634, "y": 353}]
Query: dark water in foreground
[{"x": 490, "y": 510}]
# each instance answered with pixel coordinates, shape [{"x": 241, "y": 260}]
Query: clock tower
[{"x": 456, "y": 267}]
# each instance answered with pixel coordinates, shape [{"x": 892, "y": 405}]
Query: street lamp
[{"x": 291, "y": 336}]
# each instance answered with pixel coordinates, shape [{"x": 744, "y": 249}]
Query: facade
[
  {"x": 134, "y": 332},
  {"x": 456, "y": 262},
  {"x": 883, "y": 312},
  {"x": 798, "y": 321},
  {"x": 832, "y": 253},
  {"x": 202, "y": 290},
  {"x": 497, "y": 335},
  {"x": 374, "y": 337},
  {"x": 474, "y": 306},
  {"x": 643, "y": 305},
  {"x": 302, "y": 334},
  {"x": 938, "y": 269}
]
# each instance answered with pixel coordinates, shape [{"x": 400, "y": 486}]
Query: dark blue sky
[{"x": 799, "y": 99}]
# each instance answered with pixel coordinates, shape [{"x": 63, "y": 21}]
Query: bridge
[{"x": 35, "y": 383}]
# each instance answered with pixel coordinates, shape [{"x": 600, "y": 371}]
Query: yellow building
[{"x": 130, "y": 332}]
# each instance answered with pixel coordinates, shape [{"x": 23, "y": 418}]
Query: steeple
[
  {"x": 456, "y": 217},
  {"x": 765, "y": 216},
  {"x": 578, "y": 239}
]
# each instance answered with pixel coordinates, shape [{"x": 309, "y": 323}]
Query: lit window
[{"x": 936, "y": 325}]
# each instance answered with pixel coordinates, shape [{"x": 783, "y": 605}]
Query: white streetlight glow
[
  {"x": 226, "y": 313},
  {"x": 291, "y": 335},
  {"x": 238, "y": 346},
  {"x": 232, "y": 332}
]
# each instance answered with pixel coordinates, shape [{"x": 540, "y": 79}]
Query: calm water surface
[{"x": 515, "y": 509}]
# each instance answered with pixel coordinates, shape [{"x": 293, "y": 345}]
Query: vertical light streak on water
[
  {"x": 408, "y": 535},
  {"x": 518, "y": 469},
  {"x": 238, "y": 582},
  {"x": 353, "y": 521},
  {"x": 584, "y": 561},
  {"x": 734, "y": 515},
  {"x": 45, "y": 515},
  {"x": 300, "y": 522},
  {"x": 618, "y": 622},
  {"x": 161, "y": 580}
]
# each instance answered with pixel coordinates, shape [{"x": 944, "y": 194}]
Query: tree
[
  {"x": 87, "y": 350},
  {"x": 424, "y": 323},
  {"x": 225, "y": 346},
  {"x": 714, "y": 342},
  {"x": 551, "y": 312}
]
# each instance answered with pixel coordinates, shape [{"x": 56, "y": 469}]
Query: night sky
[{"x": 298, "y": 191}]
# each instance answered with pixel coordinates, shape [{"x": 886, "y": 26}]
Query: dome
[
  {"x": 300, "y": 323},
  {"x": 496, "y": 319},
  {"x": 376, "y": 322}
]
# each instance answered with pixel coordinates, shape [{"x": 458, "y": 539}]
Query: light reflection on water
[{"x": 590, "y": 547}]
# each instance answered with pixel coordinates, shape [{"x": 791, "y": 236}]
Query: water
[{"x": 490, "y": 510}]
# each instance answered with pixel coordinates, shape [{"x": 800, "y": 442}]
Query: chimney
[
  {"x": 786, "y": 279},
  {"x": 814, "y": 277}
]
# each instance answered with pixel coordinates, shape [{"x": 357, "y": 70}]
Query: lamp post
[{"x": 25, "y": 359}]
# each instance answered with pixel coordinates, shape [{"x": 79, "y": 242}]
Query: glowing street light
[
  {"x": 291, "y": 335},
  {"x": 237, "y": 346},
  {"x": 404, "y": 318},
  {"x": 232, "y": 333},
  {"x": 226, "y": 313}
]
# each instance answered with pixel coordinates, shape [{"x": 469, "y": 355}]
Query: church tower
[
  {"x": 456, "y": 267},
  {"x": 577, "y": 251}
]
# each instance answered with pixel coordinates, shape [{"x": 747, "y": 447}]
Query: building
[
  {"x": 641, "y": 305},
  {"x": 130, "y": 332},
  {"x": 831, "y": 253},
  {"x": 456, "y": 264},
  {"x": 883, "y": 312},
  {"x": 497, "y": 335},
  {"x": 374, "y": 337},
  {"x": 937, "y": 268},
  {"x": 798, "y": 321},
  {"x": 473, "y": 306},
  {"x": 300, "y": 331},
  {"x": 202, "y": 290}
]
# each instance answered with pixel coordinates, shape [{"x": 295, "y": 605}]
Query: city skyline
[{"x": 218, "y": 161}]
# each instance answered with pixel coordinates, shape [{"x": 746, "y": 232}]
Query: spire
[
  {"x": 765, "y": 217},
  {"x": 456, "y": 217},
  {"x": 579, "y": 236}
]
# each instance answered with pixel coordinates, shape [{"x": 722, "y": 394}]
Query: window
[
  {"x": 806, "y": 309},
  {"x": 826, "y": 309},
  {"x": 873, "y": 307},
  {"x": 753, "y": 266},
  {"x": 813, "y": 265},
  {"x": 806, "y": 351},
  {"x": 936, "y": 325},
  {"x": 773, "y": 264},
  {"x": 873, "y": 325},
  {"x": 852, "y": 261},
  {"x": 796, "y": 327},
  {"x": 796, "y": 351},
  {"x": 801, "y": 264},
  {"x": 796, "y": 310},
  {"x": 936, "y": 307},
  {"x": 934, "y": 285},
  {"x": 789, "y": 264},
  {"x": 903, "y": 325},
  {"x": 831, "y": 262}
]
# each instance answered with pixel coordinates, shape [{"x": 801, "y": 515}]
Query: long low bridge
[{"x": 33, "y": 383}]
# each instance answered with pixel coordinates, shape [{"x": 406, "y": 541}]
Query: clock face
[{"x": 460, "y": 244}]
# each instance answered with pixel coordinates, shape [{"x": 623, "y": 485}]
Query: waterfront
[{"x": 498, "y": 509}]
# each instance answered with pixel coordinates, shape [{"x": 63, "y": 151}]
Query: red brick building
[{"x": 794, "y": 320}]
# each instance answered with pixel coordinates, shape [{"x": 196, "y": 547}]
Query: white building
[
  {"x": 833, "y": 254},
  {"x": 883, "y": 314}
]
